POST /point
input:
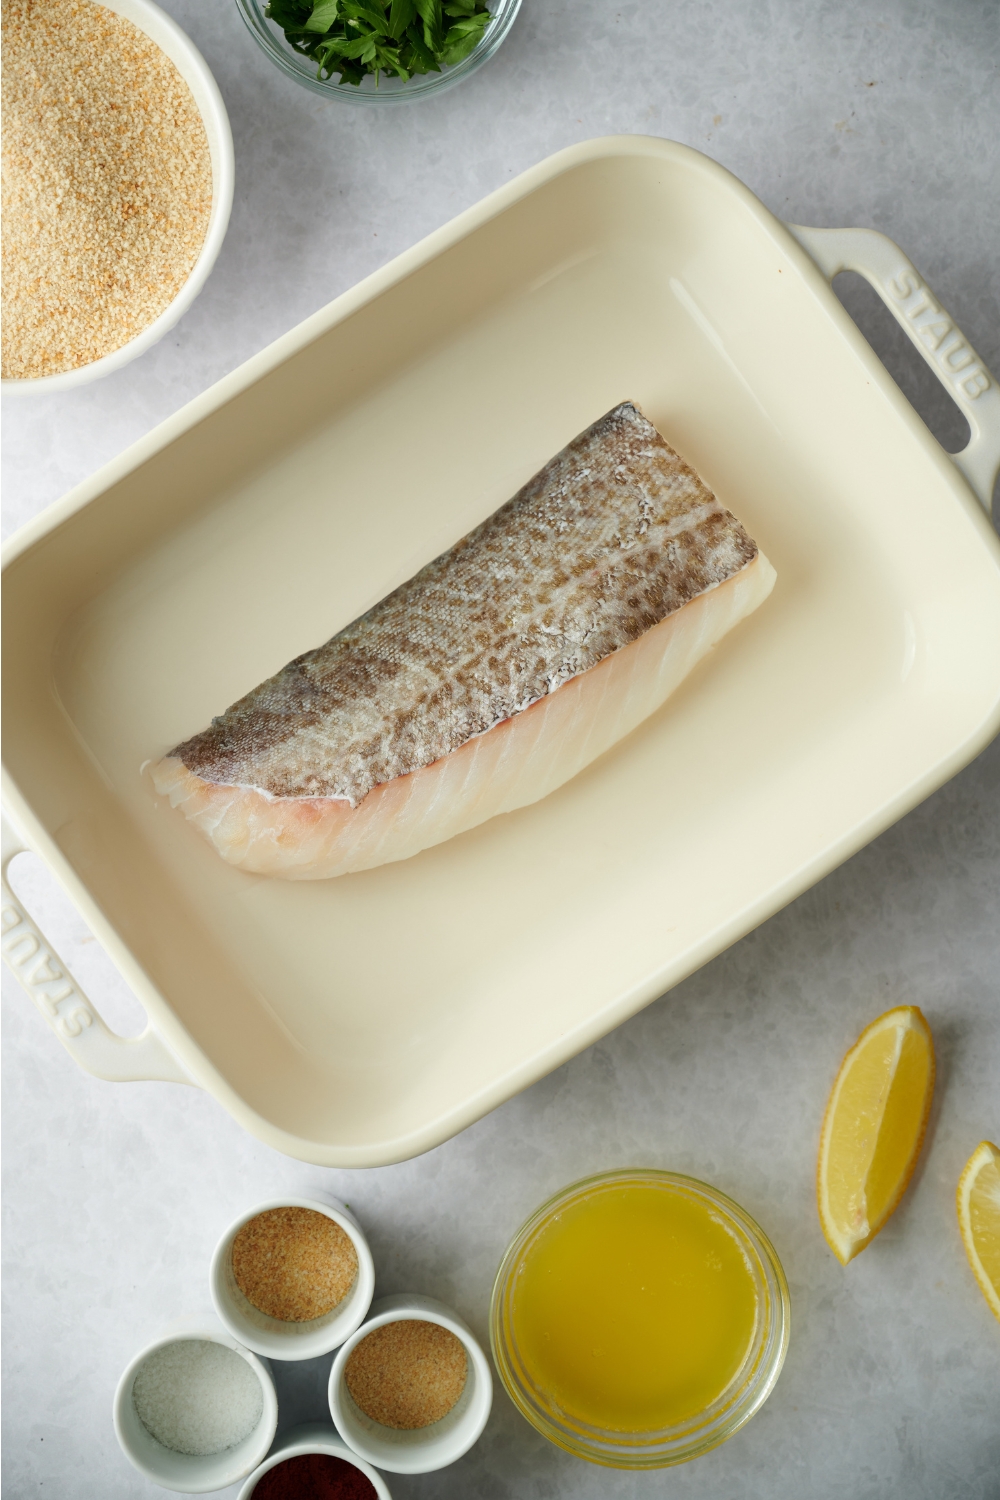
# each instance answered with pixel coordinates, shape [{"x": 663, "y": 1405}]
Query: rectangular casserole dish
[{"x": 359, "y": 1021}]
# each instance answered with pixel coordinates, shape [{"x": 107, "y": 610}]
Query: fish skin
[
  {"x": 614, "y": 535},
  {"x": 519, "y": 762}
]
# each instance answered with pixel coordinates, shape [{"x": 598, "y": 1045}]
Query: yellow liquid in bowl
[{"x": 634, "y": 1308}]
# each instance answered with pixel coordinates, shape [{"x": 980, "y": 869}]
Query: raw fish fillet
[{"x": 492, "y": 677}]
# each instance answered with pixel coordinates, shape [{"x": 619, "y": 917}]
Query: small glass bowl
[
  {"x": 389, "y": 90},
  {"x": 745, "y": 1394}
]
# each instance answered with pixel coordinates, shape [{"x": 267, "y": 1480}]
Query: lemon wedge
[
  {"x": 979, "y": 1218},
  {"x": 873, "y": 1128}
]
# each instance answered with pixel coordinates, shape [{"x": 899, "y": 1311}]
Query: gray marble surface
[{"x": 848, "y": 113}]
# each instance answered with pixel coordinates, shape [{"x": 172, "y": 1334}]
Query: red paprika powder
[{"x": 314, "y": 1476}]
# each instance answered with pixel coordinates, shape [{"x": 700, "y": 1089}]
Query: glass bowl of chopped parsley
[{"x": 379, "y": 51}]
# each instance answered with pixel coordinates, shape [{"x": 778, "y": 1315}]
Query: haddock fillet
[{"x": 492, "y": 677}]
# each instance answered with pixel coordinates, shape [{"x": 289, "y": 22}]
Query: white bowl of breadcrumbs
[{"x": 117, "y": 185}]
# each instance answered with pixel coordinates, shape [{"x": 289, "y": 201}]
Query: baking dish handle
[
  {"x": 69, "y": 1013},
  {"x": 941, "y": 342}
]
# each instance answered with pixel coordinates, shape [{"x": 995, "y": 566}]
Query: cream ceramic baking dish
[{"x": 358, "y": 1021}]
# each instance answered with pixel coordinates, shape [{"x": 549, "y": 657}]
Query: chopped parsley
[{"x": 397, "y": 37}]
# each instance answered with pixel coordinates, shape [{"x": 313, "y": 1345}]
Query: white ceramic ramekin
[
  {"x": 426, "y": 1448},
  {"x": 313, "y": 1437},
  {"x": 192, "y": 1474},
  {"x": 271, "y": 1336},
  {"x": 193, "y": 68}
]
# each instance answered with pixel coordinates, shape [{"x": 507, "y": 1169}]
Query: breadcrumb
[
  {"x": 407, "y": 1374},
  {"x": 294, "y": 1263},
  {"x": 107, "y": 184}
]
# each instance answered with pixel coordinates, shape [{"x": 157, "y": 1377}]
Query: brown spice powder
[
  {"x": 294, "y": 1263},
  {"x": 107, "y": 184},
  {"x": 407, "y": 1374}
]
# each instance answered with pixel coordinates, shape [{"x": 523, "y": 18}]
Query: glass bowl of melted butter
[{"x": 639, "y": 1318}]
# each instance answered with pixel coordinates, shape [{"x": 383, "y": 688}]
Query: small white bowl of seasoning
[
  {"x": 411, "y": 1390},
  {"x": 117, "y": 198},
  {"x": 309, "y": 1460},
  {"x": 194, "y": 1410},
  {"x": 293, "y": 1277}
]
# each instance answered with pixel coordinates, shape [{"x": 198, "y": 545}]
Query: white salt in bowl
[
  {"x": 425, "y": 1448},
  {"x": 192, "y": 1474},
  {"x": 272, "y": 1336},
  {"x": 193, "y": 68},
  {"x": 313, "y": 1437}
]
